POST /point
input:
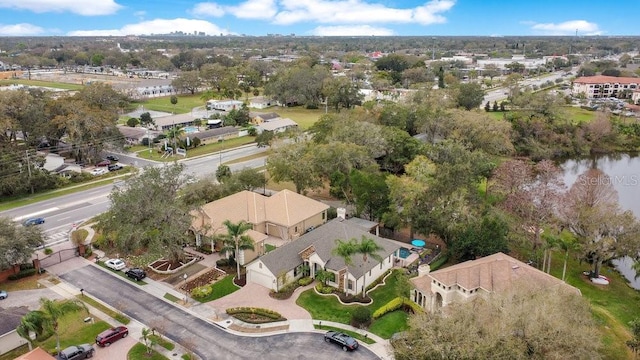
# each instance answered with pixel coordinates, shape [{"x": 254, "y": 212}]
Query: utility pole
[
  {"x": 433, "y": 48},
  {"x": 29, "y": 169}
]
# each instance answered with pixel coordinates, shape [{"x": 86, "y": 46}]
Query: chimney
[{"x": 423, "y": 270}]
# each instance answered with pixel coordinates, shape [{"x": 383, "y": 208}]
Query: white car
[
  {"x": 115, "y": 264},
  {"x": 99, "y": 171}
]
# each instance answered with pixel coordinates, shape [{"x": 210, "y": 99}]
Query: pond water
[{"x": 624, "y": 173}]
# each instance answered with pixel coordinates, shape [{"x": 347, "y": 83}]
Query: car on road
[
  {"x": 115, "y": 264},
  {"x": 108, "y": 337},
  {"x": 343, "y": 340},
  {"x": 103, "y": 163},
  {"x": 84, "y": 351},
  {"x": 3, "y": 294},
  {"x": 98, "y": 171},
  {"x": 33, "y": 221},
  {"x": 112, "y": 158},
  {"x": 136, "y": 274},
  {"x": 114, "y": 167}
]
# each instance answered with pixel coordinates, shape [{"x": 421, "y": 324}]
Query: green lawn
[
  {"x": 390, "y": 324},
  {"x": 329, "y": 308},
  {"x": 171, "y": 297},
  {"x": 221, "y": 288},
  {"x": 613, "y": 306},
  {"x": 211, "y": 148},
  {"x": 185, "y": 104},
  {"x": 162, "y": 342},
  {"x": 304, "y": 117},
  {"x": 139, "y": 352},
  {"x": 112, "y": 313},
  {"x": 73, "y": 330}
]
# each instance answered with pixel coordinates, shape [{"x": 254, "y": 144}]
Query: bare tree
[{"x": 592, "y": 213}]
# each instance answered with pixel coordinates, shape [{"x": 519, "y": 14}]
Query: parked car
[
  {"x": 112, "y": 158},
  {"x": 343, "y": 340},
  {"x": 3, "y": 294},
  {"x": 108, "y": 337},
  {"x": 136, "y": 273},
  {"x": 115, "y": 264},
  {"x": 103, "y": 163},
  {"x": 114, "y": 167},
  {"x": 83, "y": 351},
  {"x": 97, "y": 172},
  {"x": 33, "y": 221}
]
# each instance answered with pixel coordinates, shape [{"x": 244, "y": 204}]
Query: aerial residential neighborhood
[{"x": 372, "y": 180}]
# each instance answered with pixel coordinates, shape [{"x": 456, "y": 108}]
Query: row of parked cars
[
  {"x": 86, "y": 351},
  {"x": 134, "y": 273}
]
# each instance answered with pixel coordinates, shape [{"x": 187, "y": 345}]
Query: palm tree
[
  {"x": 368, "y": 248},
  {"x": 235, "y": 240},
  {"x": 566, "y": 243},
  {"x": 41, "y": 321}
]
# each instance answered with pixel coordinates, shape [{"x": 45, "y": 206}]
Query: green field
[
  {"x": 304, "y": 117},
  {"x": 185, "y": 104},
  {"x": 577, "y": 115}
]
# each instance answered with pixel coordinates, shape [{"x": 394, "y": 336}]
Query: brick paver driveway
[{"x": 254, "y": 295}]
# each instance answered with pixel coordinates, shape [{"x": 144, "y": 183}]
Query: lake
[{"x": 624, "y": 173}]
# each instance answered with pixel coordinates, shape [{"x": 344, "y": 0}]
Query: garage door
[{"x": 257, "y": 277}]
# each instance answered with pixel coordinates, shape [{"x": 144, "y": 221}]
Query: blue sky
[{"x": 319, "y": 17}]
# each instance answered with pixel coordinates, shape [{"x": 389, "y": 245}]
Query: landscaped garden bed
[
  {"x": 165, "y": 266},
  {"x": 205, "y": 279},
  {"x": 255, "y": 315}
]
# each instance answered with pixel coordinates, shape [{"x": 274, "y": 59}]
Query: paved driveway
[
  {"x": 210, "y": 341},
  {"x": 254, "y": 295},
  {"x": 28, "y": 298}
]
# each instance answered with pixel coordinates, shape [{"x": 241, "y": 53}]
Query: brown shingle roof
[{"x": 493, "y": 273}]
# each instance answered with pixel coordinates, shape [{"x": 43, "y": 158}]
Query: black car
[
  {"x": 112, "y": 158},
  {"x": 114, "y": 167},
  {"x": 136, "y": 273},
  {"x": 344, "y": 340}
]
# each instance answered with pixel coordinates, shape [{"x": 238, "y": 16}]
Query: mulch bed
[{"x": 205, "y": 279}]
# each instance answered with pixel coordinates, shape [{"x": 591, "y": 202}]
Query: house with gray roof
[
  {"x": 313, "y": 251},
  {"x": 9, "y": 338}
]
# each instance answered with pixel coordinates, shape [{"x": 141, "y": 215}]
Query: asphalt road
[
  {"x": 210, "y": 341},
  {"x": 61, "y": 213}
]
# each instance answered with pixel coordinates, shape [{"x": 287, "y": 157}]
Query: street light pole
[{"x": 185, "y": 276}]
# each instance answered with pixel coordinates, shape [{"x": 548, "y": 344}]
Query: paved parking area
[{"x": 29, "y": 298}]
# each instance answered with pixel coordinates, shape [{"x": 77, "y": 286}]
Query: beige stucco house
[
  {"x": 464, "y": 281},
  {"x": 285, "y": 215},
  {"x": 313, "y": 251}
]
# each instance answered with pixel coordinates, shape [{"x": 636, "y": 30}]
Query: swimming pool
[
  {"x": 191, "y": 129},
  {"x": 404, "y": 253}
]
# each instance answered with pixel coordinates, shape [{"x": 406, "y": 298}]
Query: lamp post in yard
[{"x": 185, "y": 276}]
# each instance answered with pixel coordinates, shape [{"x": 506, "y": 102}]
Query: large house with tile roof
[
  {"x": 462, "y": 282},
  {"x": 285, "y": 215},
  {"x": 313, "y": 251}
]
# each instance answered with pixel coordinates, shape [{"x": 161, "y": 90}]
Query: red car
[
  {"x": 103, "y": 163},
  {"x": 107, "y": 337}
]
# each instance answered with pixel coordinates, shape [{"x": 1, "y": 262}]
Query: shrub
[
  {"x": 258, "y": 311},
  {"x": 392, "y": 305},
  {"x": 378, "y": 280},
  {"x": 305, "y": 281},
  {"x": 361, "y": 317},
  {"x": 22, "y": 274},
  {"x": 48, "y": 251},
  {"x": 332, "y": 213},
  {"x": 324, "y": 289},
  {"x": 201, "y": 291},
  {"x": 226, "y": 262},
  {"x": 79, "y": 236}
]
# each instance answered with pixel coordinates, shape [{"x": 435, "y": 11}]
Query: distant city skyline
[{"x": 319, "y": 17}]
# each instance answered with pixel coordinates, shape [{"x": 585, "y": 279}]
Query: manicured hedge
[
  {"x": 395, "y": 304},
  {"x": 22, "y": 274},
  {"x": 201, "y": 291},
  {"x": 305, "y": 281},
  {"x": 258, "y": 311}
]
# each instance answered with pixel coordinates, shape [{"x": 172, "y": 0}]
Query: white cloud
[
  {"x": 359, "y": 12},
  {"x": 140, "y": 13},
  {"x": 567, "y": 28},
  {"x": 156, "y": 26},
  {"x": 22, "y": 29},
  {"x": 80, "y": 7},
  {"x": 254, "y": 9},
  {"x": 207, "y": 9},
  {"x": 348, "y": 30}
]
